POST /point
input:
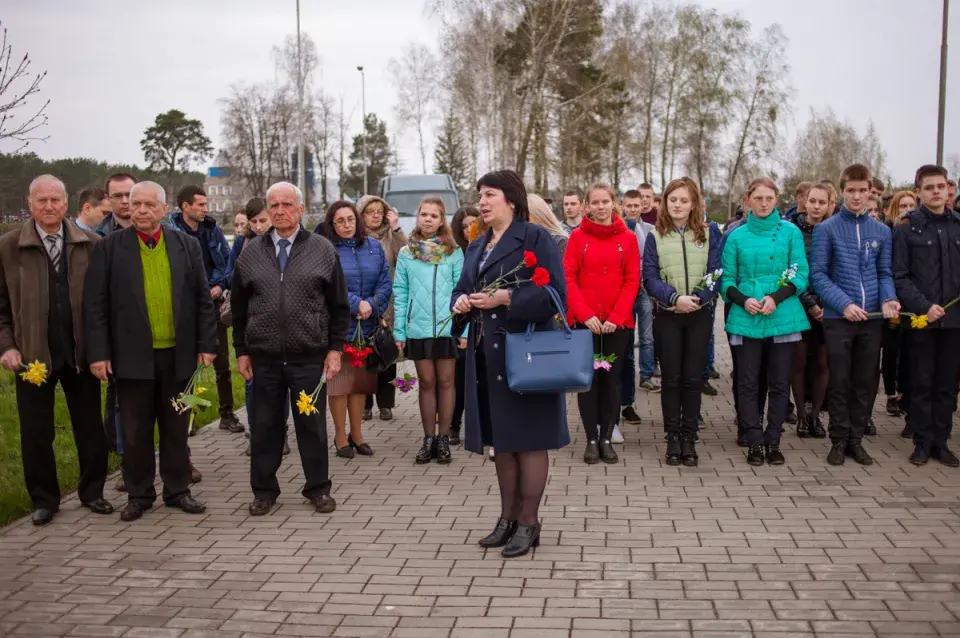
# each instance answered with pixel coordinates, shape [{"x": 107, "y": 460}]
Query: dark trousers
[
  {"x": 890, "y": 361},
  {"x": 682, "y": 341},
  {"x": 628, "y": 374},
  {"x": 600, "y": 405},
  {"x": 934, "y": 367},
  {"x": 853, "y": 356},
  {"x": 758, "y": 359},
  {"x": 272, "y": 380},
  {"x": 386, "y": 391},
  {"x": 35, "y": 407},
  {"x": 734, "y": 352},
  {"x": 142, "y": 404},
  {"x": 222, "y": 366},
  {"x": 111, "y": 422},
  {"x": 460, "y": 381}
]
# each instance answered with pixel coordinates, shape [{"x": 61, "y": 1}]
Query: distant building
[{"x": 224, "y": 194}]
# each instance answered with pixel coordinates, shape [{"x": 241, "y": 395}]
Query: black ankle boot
[
  {"x": 500, "y": 534},
  {"x": 522, "y": 540},
  {"x": 688, "y": 452},
  {"x": 817, "y": 430},
  {"x": 775, "y": 456},
  {"x": 803, "y": 427},
  {"x": 755, "y": 455},
  {"x": 425, "y": 455},
  {"x": 673, "y": 449},
  {"x": 591, "y": 455},
  {"x": 607, "y": 453},
  {"x": 443, "y": 450}
]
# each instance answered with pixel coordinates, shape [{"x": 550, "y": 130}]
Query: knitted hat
[{"x": 513, "y": 189}]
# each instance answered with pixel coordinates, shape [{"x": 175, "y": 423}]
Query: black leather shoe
[
  {"x": 673, "y": 450},
  {"x": 946, "y": 457},
  {"x": 132, "y": 511},
  {"x": 817, "y": 430},
  {"x": 838, "y": 453},
  {"x": 870, "y": 429},
  {"x": 363, "y": 449},
  {"x": 775, "y": 456},
  {"x": 187, "y": 504},
  {"x": 260, "y": 507},
  {"x": 425, "y": 455},
  {"x": 455, "y": 436},
  {"x": 324, "y": 504},
  {"x": 443, "y": 450},
  {"x": 688, "y": 454},
  {"x": 708, "y": 389},
  {"x": 607, "y": 453},
  {"x": 345, "y": 452},
  {"x": 591, "y": 455},
  {"x": 500, "y": 534},
  {"x": 755, "y": 455},
  {"x": 231, "y": 424},
  {"x": 195, "y": 475},
  {"x": 42, "y": 516},
  {"x": 920, "y": 455},
  {"x": 368, "y": 415},
  {"x": 803, "y": 427},
  {"x": 386, "y": 414},
  {"x": 858, "y": 454},
  {"x": 714, "y": 373},
  {"x": 907, "y": 432},
  {"x": 522, "y": 540},
  {"x": 893, "y": 406},
  {"x": 99, "y": 506}
]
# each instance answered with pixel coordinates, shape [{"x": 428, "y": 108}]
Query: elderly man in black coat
[{"x": 150, "y": 322}]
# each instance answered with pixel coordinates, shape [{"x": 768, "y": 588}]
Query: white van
[{"x": 404, "y": 193}]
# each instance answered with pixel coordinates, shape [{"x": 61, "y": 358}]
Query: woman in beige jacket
[{"x": 382, "y": 223}]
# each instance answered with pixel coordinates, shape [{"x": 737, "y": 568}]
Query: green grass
[{"x": 14, "y": 501}]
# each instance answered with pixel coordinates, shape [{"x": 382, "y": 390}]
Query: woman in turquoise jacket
[
  {"x": 764, "y": 270},
  {"x": 428, "y": 268}
]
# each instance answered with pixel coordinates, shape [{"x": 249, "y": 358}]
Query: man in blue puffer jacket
[{"x": 851, "y": 269}]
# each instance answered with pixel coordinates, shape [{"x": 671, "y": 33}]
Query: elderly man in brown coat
[{"x": 42, "y": 272}]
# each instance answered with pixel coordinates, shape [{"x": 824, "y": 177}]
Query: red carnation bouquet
[
  {"x": 358, "y": 349},
  {"x": 539, "y": 278}
]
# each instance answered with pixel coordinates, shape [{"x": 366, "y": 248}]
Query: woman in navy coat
[{"x": 522, "y": 427}]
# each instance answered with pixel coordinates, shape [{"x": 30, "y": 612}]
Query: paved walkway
[{"x": 636, "y": 549}]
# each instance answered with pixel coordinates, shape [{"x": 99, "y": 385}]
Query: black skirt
[{"x": 431, "y": 349}]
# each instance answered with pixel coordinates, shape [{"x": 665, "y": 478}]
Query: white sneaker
[{"x": 617, "y": 436}]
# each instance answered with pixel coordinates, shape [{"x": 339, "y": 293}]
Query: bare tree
[
  {"x": 322, "y": 133},
  {"x": 827, "y": 145},
  {"x": 415, "y": 76},
  {"x": 20, "y": 129}
]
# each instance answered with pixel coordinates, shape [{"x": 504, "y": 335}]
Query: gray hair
[
  {"x": 293, "y": 187},
  {"x": 47, "y": 178},
  {"x": 161, "y": 193}
]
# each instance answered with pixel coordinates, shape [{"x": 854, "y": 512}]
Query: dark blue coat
[
  {"x": 368, "y": 279},
  {"x": 493, "y": 414},
  {"x": 851, "y": 262},
  {"x": 216, "y": 250}
]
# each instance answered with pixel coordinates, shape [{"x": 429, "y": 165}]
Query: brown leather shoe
[
  {"x": 260, "y": 507},
  {"x": 324, "y": 503}
]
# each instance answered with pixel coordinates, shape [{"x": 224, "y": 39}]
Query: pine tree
[
  {"x": 451, "y": 156},
  {"x": 378, "y": 154}
]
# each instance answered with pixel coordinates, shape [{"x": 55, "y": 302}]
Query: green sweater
[
  {"x": 754, "y": 258},
  {"x": 158, "y": 292}
]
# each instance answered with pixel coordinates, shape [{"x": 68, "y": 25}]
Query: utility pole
[
  {"x": 363, "y": 131},
  {"x": 301, "y": 161},
  {"x": 943, "y": 83}
]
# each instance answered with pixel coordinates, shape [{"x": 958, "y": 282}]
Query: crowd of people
[{"x": 820, "y": 304}]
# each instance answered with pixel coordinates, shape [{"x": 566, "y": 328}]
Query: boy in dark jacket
[
  {"x": 926, "y": 272},
  {"x": 850, "y": 268}
]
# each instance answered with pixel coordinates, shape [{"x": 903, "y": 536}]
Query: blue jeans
[
  {"x": 644, "y": 315},
  {"x": 248, "y": 403}
]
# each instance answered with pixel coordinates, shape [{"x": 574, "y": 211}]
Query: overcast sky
[{"x": 113, "y": 66}]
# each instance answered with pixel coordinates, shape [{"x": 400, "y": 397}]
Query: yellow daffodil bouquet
[
  {"x": 307, "y": 403},
  {"x": 35, "y": 373},
  {"x": 191, "y": 398},
  {"x": 917, "y": 322}
]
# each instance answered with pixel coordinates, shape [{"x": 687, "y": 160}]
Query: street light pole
[
  {"x": 363, "y": 107},
  {"x": 943, "y": 83},
  {"x": 301, "y": 160}
]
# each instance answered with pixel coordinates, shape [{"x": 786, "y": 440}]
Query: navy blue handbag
[{"x": 550, "y": 361}]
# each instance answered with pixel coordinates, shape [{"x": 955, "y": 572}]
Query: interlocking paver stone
[{"x": 638, "y": 548}]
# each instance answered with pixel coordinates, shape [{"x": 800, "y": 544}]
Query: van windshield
[{"x": 406, "y": 202}]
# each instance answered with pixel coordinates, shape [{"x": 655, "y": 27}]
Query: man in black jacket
[
  {"x": 150, "y": 322},
  {"x": 926, "y": 273},
  {"x": 290, "y": 320}
]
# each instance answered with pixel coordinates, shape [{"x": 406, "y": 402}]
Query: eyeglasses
[{"x": 345, "y": 221}]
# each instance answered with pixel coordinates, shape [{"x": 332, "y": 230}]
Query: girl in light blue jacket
[{"x": 428, "y": 269}]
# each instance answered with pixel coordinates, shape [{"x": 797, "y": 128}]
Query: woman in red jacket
[{"x": 602, "y": 266}]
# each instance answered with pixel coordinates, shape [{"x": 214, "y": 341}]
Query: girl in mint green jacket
[
  {"x": 764, "y": 270},
  {"x": 428, "y": 269}
]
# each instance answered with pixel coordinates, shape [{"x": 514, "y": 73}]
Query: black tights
[
  {"x": 437, "y": 394},
  {"x": 523, "y": 478},
  {"x": 809, "y": 353}
]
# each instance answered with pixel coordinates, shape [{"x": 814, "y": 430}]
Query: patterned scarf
[{"x": 430, "y": 251}]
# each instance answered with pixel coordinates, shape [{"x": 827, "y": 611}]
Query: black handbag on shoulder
[{"x": 385, "y": 351}]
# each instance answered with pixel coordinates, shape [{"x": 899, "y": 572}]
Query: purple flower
[{"x": 605, "y": 365}]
